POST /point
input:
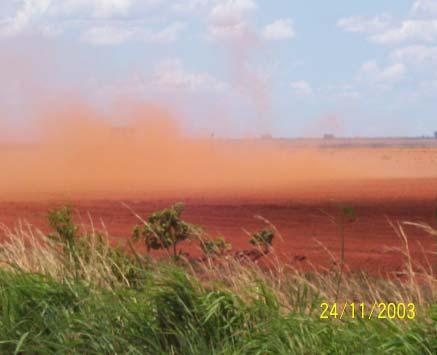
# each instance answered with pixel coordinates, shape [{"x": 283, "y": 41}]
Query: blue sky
[{"x": 289, "y": 68}]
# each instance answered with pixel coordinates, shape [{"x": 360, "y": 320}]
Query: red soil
[
  {"x": 301, "y": 218},
  {"x": 80, "y": 156}
]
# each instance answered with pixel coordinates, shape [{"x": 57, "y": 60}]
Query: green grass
[
  {"x": 174, "y": 313},
  {"x": 93, "y": 299}
]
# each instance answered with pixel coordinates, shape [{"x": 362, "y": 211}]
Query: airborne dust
[
  {"x": 79, "y": 153},
  {"x": 74, "y": 150}
]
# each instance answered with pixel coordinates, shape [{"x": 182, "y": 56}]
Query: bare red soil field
[
  {"x": 295, "y": 184},
  {"x": 300, "y": 217}
]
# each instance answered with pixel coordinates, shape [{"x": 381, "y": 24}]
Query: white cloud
[
  {"x": 417, "y": 55},
  {"x": 409, "y": 30},
  {"x": 190, "y": 6},
  {"x": 171, "y": 75},
  {"x": 23, "y": 18},
  {"x": 230, "y": 32},
  {"x": 425, "y": 7},
  {"x": 91, "y": 8},
  {"x": 50, "y": 31},
  {"x": 230, "y": 12},
  {"x": 167, "y": 35},
  {"x": 349, "y": 94},
  {"x": 32, "y": 16},
  {"x": 97, "y": 20},
  {"x": 364, "y": 25},
  {"x": 229, "y": 19},
  {"x": 373, "y": 74},
  {"x": 302, "y": 88},
  {"x": 342, "y": 91},
  {"x": 417, "y": 33},
  {"x": 428, "y": 87},
  {"x": 279, "y": 30},
  {"x": 107, "y": 35},
  {"x": 420, "y": 26},
  {"x": 114, "y": 35}
]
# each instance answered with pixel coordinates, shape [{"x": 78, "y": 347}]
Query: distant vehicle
[
  {"x": 435, "y": 134},
  {"x": 328, "y": 136},
  {"x": 266, "y": 136}
]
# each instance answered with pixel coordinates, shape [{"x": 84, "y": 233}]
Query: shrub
[
  {"x": 215, "y": 247},
  {"x": 263, "y": 239},
  {"x": 78, "y": 251},
  {"x": 165, "y": 229},
  {"x": 65, "y": 231},
  {"x": 66, "y": 235}
]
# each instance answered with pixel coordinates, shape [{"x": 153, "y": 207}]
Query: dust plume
[{"x": 143, "y": 152}]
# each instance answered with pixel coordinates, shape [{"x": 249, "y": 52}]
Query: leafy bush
[
  {"x": 78, "y": 250},
  {"x": 66, "y": 235},
  {"x": 165, "y": 229},
  {"x": 263, "y": 239},
  {"x": 215, "y": 247},
  {"x": 65, "y": 231}
]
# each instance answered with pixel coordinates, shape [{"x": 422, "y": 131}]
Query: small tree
[
  {"x": 66, "y": 235},
  {"x": 263, "y": 239},
  {"x": 165, "y": 229},
  {"x": 347, "y": 214},
  {"x": 215, "y": 247}
]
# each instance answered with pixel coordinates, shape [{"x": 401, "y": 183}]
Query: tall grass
[{"x": 109, "y": 301}]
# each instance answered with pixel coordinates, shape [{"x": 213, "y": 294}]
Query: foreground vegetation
[{"x": 72, "y": 292}]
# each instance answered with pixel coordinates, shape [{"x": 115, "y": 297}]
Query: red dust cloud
[
  {"x": 140, "y": 150},
  {"x": 79, "y": 153}
]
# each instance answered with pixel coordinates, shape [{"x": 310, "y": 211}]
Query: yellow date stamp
[{"x": 377, "y": 310}]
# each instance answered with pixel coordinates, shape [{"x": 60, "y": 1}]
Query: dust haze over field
[
  {"x": 139, "y": 150},
  {"x": 78, "y": 152}
]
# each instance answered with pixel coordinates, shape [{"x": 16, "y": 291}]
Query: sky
[{"x": 229, "y": 67}]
